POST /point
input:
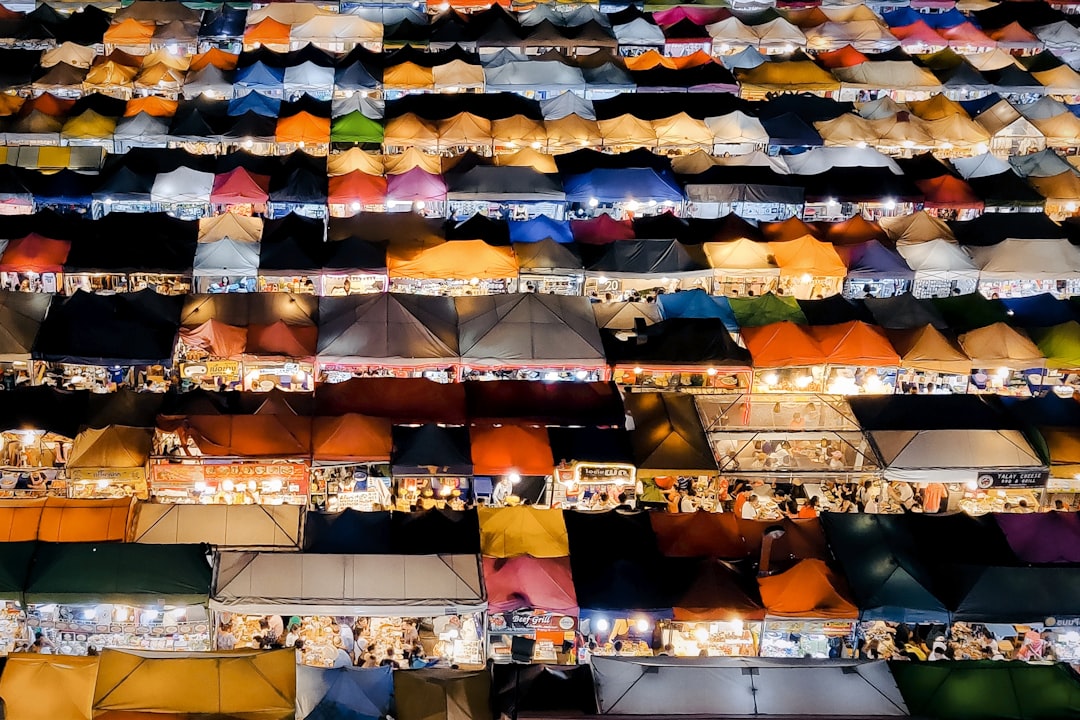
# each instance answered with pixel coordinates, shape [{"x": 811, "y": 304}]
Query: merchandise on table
[
  {"x": 224, "y": 482},
  {"x": 74, "y": 629},
  {"x": 808, "y": 638},
  {"x": 734, "y": 638},
  {"x": 552, "y": 633}
]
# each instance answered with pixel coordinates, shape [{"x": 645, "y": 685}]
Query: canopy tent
[
  {"x": 748, "y": 687},
  {"x": 679, "y": 342},
  {"x": 1042, "y": 537},
  {"x": 540, "y": 688},
  {"x": 782, "y": 344},
  {"x": 21, "y": 315},
  {"x": 926, "y": 348},
  {"x": 523, "y": 583},
  {"x": 999, "y": 345},
  {"x": 1060, "y": 344},
  {"x": 698, "y": 534},
  {"x": 810, "y": 589},
  {"x": 241, "y": 684},
  {"x": 509, "y": 449},
  {"x": 371, "y": 585},
  {"x": 609, "y": 185},
  {"x": 343, "y": 693},
  {"x": 119, "y": 573},
  {"x": 436, "y": 531},
  {"x": 962, "y": 689},
  {"x": 349, "y": 531},
  {"x": 716, "y": 591},
  {"x": 952, "y": 455},
  {"x": 888, "y": 579},
  {"x": 456, "y": 260},
  {"x": 439, "y": 694},
  {"x": 48, "y": 687},
  {"x": 1019, "y": 260},
  {"x": 667, "y": 434},
  {"x": 765, "y": 310},
  {"x": 522, "y": 531},
  {"x": 425, "y": 449},
  {"x": 938, "y": 264},
  {"x": 528, "y": 330},
  {"x": 225, "y": 526}
]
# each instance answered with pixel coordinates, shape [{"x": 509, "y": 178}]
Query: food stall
[
  {"x": 458, "y": 267},
  {"x": 529, "y": 336},
  {"x": 806, "y": 443},
  {"x": 696, "y": 354},
  {"x": 350, "y": 456},
  {"x": 119, "y": 595},
  {"x": 941, "y": 268},
  {"x": 392, "y": 602},
  {"x": 623, "y": 192},
  {"x": 595, "y": 468},
  {"x": 504, "y": 191},
  {"x": 14, "y": 566},
  {"x": 1024, "y": 267},
  {"x": 718, "y": 615},
  {"x": 860, "y": 358},
  {"x": 34, "y": 263},
  {"x": 786, "y": 358},
  {"x": 1060, "y": 344},
  {"x": 741, "y": 268},
  {"x": 109, "y": 462},
  {"x": 533, "y": 598},
  {"x": 431, "y": 465},
  {"x": 353, "y": 266},
  {"x": 874, "y": 270},
  {"x": 809, "y": 613},
  {"x": 548, "y": 266},
  {"x": 21, "y": 314},
  {"x": 388, "y": 335},
  {"x": 629, "y": 269},
  {"x": 930, "y": 362},
  {"x": 511, "y": 464},
  {"x": 1004, "y": 361},
  {"x": 809, "y": 268}
]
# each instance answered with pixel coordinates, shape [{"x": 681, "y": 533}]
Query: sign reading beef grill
[{"x": 1013, "y": 479}]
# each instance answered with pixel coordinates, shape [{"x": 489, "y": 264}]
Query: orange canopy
[
  {"x": 303, "y": 127},
  {"x": 791, "y": 229},
  {"x": 216, "y": 338},
  {"x": 214, "y": 56},
  {"x": 151, "y": 105},
  {"x": 808, "y": 590},
  {"x": 947, "y": 191},
  {"x": 267, "y": 31},
  {"x": 357, "y": 187},
  {"x": 852, "y": 231},
  {"x": 270, "y": 436},
  {"x": 782, "y": 344},
  {"x": 48, "y": 104},
  {"x": 846, "y": 56},
  {"x": 351, "y": 437},
  {"x": 855, "y": 343},
  {"x": 698, "y": 534},
  {"x": 453, "y": 260},
  {"x": 280, "y": 338},
  {"x": 807, "y": 256},
  {"x": 62, "y": 520},
  {"x": 511, "y": 449},
  {"x": 129, "y": 32},
  {"x": 35, "y": 253}
]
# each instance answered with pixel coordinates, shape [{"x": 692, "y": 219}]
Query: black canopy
[
  {"x": 931, "y": 412},
  {"x": 433, "y": 532},
  {"x": 598, "y": 536},
  {"x": 431, "y": 449},
  {"x": 349, "y": 532},
  {"x": 678, "y": 341},
  {"x": 566, "y": 403}
]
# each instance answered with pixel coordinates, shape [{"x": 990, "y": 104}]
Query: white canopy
[
  {"x": 863, "y": 35},
  {"x": 182, "y": 185},
  {"x": 1058, "y": 36},
  {"x": 639, "y": 31},
  {"x": 1015, "y": 259},
  {"x": 952, "y": 455},
  {"x": 979, "y": 166},
  {"x": 778, "y": 34},
  {"x": 227, "y": 257},
  {"x": 364, "y": 585},
  {"x": 335, "y": 28},
  {"x": 367, "y": 106},
  {"x": 883, "y": 107},
  {"x": 746, "y": 59},
  {"x": 143, "y": 128},
  {"x": 938, "y": 260},
  {"x": 210, "y": 80},
  {"x": 724, "y": 686},
  {"x": 1042, "y": 164},
  {"x": 534, "y": 75},
  {"x": 309, "y": 77},
  {"x": 737, "y": 128},
  {"x": 818, "y": 160},
  {"x": 567, "y": 104},
  {"x": 246, "y": 527}
]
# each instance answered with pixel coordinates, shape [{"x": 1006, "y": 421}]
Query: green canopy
[
  {"x": 765, "y": 310},
  {"x": 887, "y": 575},
  {"x": 355, "y": 128},
  {"x": 1060, "y": 344},
  {"x": 15, "y": 558},
  {"x": 963, "y": 313},
  {"x": 132, "y": 574},
  {"x": 963, "y": 689}
]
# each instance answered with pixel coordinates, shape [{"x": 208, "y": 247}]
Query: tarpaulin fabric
[
  {"x": 457, "y": 260},
  {"x": 330, "y": 584},
  {"x": 960, "y": 689},
  {"x": 698, "y": 534},
  {"x": 855, "y": 343},
  {"x": 521, "y": 583},
  {"x": 119, "y": 573},
  {"x": 216, "y": 338},
  {"x": 246, "y": 685},
  {"x": 343, "y": 693},
  {"x": 1042, "y": 537},
  {"x": 542, "y": 688},
  {"x": 783, "y": 344},
  {"x": 508, "y": 449},
  {"x": 667, "y": 433},
  {"x": 436, "y": 531},
  {"x": 430, "y": 449},
  {"x": 522, "y": 531},
  {"x": 523, "y": 401},
  {"x": 927, "y": 348},
  {"x": 765, "y": 310},
  {"x": 73, "y": 520},
  {"x": 348, "y": 531},
  {"x": 20, "y": 520},
  {"x": 350, "y": 437},
  {"x": 679, "y": 342},
  {"x": 810, "y": 589},
  {"x": 802, "y": 539},
  {"x": 224, "y": 526},
  {"x": 998, "y": 345},
  {"x": 35, "y": 253},
  {"x": 270, "y": 436},
  {"x": 48, "y": 687},
  {"x": 116, "y": 446},
  {"x": 14, "y": 570},
  {"x": 716, "y": 591},
  {"x": 1060, "y": 344},
  {"x": 401, "y": 400},
  {"x": 622, "y": 585},
  {"x": 438, "y": 694},
  {"x": 587, "y": 532},
  {"x": 388, "y": 327}
]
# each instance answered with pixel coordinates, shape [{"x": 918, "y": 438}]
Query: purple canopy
[
  {"x": 1052, "y": 537},
  {"x": 415, "y": 185}
]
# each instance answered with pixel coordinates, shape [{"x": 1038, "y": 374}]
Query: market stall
[
  {"x": 47, "y": 687},
  {"x": 941, "y": 268},
  {"x": 459, "y": 267},
  {"x": 860, "y": 358},
  {"x": 118, "y": 595},
  {"x": 741, "y": 268},
  {"x": 390, "y": 334},
  {"x": 109, "y": 462},
  {"x": 21, "y": 314},
  {"x": 350, "y": 462},
  {"x": 931, "y": 362},
  {"x": 719, "y": 613},
  {"x": 1003, "y": 361},
  {"x": 632, "y": 269},
  {"x": 550, "y": 267},
  {"x": 671, "y": 449},
  {"x": 809, "y": 268},
  {"x": 595, "y": 467},
  {"x": 34, "y": 264},
  {"x": 1019, "y": 268},
  {"x": 809, "y": 613},
  {"x": 512, "y": 464},
  {"x": 786, "y": 358},
  {"x": 533, "y": 598},
  {"x": 246, "y": 527},
  {"x": 397, "y": 601},
  {"x": 874, "y": 270}
]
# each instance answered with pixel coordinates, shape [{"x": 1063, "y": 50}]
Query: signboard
[
  {"x": 119, "y": 475},
  {"x": 293, "y": 476},
  {"x": 1013, "y": 479},
  {"x": 594, "y": 473},
  {"x": 229, "y": 369},
  {"x": 528, "y": 622}
]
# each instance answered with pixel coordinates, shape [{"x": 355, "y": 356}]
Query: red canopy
[
  {"x": 846, "y": 56},
  {"x": 601, "y": 230},
  {"x": 35, "y": 253},
  {"x": 266, "y": 436},
  {"x": 280, "y": 338},
  {"x": 357, "y": 187},
  {"x": 524, "y": 582},
  {"x": 216, "y": 338},
  {"x": 855, "y": 343},
  {"x": 946, "y": 191},
  {"x": 511, "y": 449},
  {"x": 351, "y": 438},
  {"x": 238, "y": 187}
]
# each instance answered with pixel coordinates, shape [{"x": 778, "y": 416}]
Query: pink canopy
[
  {"x": 238, "y": 187},
  {"x": 967, "y": 34},
  {"x": 697, "y": 15},
  {"x": 1052, "y": 537},
  {"x": 523, "y": 582},
  {"x": 415, "y": 185}
]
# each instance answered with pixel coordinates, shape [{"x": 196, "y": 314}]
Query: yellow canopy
[
  {"x": 682, "y": 130},
  {"x": 244, "y": 685},
  {"x": 999, "y": 345},
  {"x": 453, "y": 260},
  {"x": 741, "y": 254},
  {"x": 409, "y": 130},
  {"x": 114, "y": 446},
  {"x": 937, "y": 107},
  {"x": 793, "y": 76},
  {"x": 528, "y": 157},
  {"x": 464, "y": 129},
  {"x": 1064, "y": 186},
  {"x": 89, "y": 125},
  {"x": 412, "y": 158},
  {"x": 627, "y": 130},
  {"x": 1062, "y": 80},
  {"x": 926, "y": 348},
  {"x": 512, "y": 531},
  {"x": 352, "y": 160},
  {"x": 408, "y": 76},
  {"x": 48, "y": 687},
  {"x": 110, "y": 74},
  {"x": 572, "y": 132},
  {"x": 1064, "y": 447},
  {"x": 959, "y": 130},
  {"x": 807, "y": 256},
  {"x": 240, "y": 228},
  {"x": 163, "y": 56},
  {"x": 519, "y": 130}
]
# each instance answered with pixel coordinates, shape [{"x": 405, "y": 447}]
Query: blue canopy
[
  {"x": 1038, "y": 310},
  {"x": 871, "y": 259},
  {"x": 902, "y": 17},
  {"x": 343, "y": 693},
  {"x": 254, "y": 102},
  {"x": 697, "y": 304},
  {"x": 950, "y": 18},
  {"x": 229, "y": 21},
  {"x": 260, "y": 74},
  {"x": 354, "y": 77},
  {"x": 540, "y": 228},
  {"x": 609, "y": 185}
]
